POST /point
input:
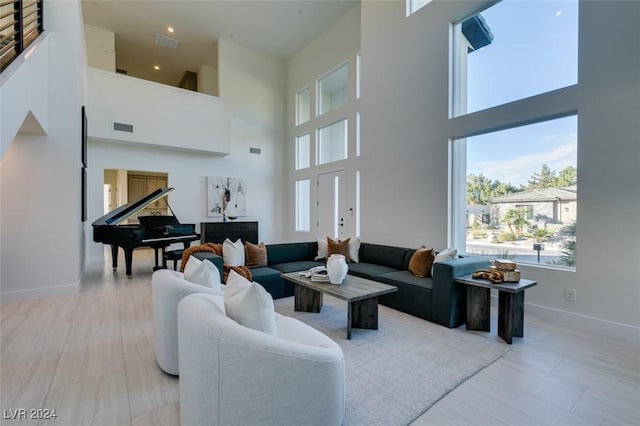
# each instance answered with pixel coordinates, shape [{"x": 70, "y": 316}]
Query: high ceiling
[{"x": 278, "y": 28}]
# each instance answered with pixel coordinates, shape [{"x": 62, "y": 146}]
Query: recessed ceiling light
[
  {"x": 170, "y": 29},
  {"x": 558, "y": 13},
  {"x": 157, "y": 68}
]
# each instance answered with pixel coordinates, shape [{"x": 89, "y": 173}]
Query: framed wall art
[{"x": 226, "y": 197}]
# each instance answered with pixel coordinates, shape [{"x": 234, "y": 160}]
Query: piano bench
[{"x": 174, "y": 255}]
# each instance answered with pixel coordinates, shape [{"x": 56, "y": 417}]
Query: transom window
[{"x": 332, "y": 90}]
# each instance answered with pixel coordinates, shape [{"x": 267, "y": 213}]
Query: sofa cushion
[
  {"x": 302, "y": 265},
  {"x": 290, "y": 252},
  {"x": 405, "y": 277},
  {"x": 233, "y": 252},
  {"x": 421, "y": 261},
  {"x": 393, "y": 257},
  {"x": 414, "y": 295},
  {"x": 323, "y": 247},
  {"x": 338, "y": 247},
  {"x": 249, "y": 304},
  {"x": 269, "y": 278},
  {"x": 255, "y": 254},
  {"x": 354, "y": 249},
  {"x": 204, "y": 273},
  {"x": 368, "y": 270},
  {"x": 446, "y": 254}
]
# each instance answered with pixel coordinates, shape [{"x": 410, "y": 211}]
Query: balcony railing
[{"x": 21, "y": 21}]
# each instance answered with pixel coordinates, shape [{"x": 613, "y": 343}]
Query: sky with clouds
[{"x": 534, "y": 51}]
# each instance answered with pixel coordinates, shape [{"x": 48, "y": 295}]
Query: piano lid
[{"x": 122, "y": 213}]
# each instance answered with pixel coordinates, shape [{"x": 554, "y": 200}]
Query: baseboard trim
[
  {"x": 39, "y": 293},
  {"x": 580, "y": 322}
]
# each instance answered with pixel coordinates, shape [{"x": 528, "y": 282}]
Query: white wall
[
  {"x": 101, "y": 48},
  {"x": 40, "y": 186},
  {"x": 405, "y": 131},
  {"x": 254, "y": 83},
  {"x": 22, "y": 86},
  {"x": 338, "y": 44},
  {"x": 208, "y": 80},
  {"x": 161, "y": 115}
]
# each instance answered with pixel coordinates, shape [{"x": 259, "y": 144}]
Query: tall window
[
  {"x": 302, "y": 205},
  {"x": 521, "y": 193},
  {"x": 516, "y": 189}
]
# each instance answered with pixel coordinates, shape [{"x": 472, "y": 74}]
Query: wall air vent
[
  {"x": 167, "y": 42},
  {"x": 123, "y": 127},
  {"x": 255, "y": 150}
]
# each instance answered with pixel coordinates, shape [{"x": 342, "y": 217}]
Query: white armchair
[
  {"x": 234, "y": 375},
  {"x": 168, "y": 288}
]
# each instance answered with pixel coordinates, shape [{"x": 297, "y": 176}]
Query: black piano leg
[
  {"x": 156, "y": 249},
  {"x": 114, "y": 257},
  {"x": 128, "y": 260}
]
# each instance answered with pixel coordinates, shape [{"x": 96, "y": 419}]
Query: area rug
[{"x": 394, "y": 374}]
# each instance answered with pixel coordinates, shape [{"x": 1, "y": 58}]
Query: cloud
[{"x": 518, "y": 170}]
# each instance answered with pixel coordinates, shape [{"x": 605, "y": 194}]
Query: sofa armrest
[{"x": 449, "y": 301}]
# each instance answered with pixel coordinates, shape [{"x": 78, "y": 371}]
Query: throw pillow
[
  {"x": 191, "y": 264},
  {"x": 249, "y": 304},
  {"x": 421, "y": 262},
  {"x": 445, "y": 254},
  {"x": 338, "y": 247},
  {"x": 242, "y": 270},
  {"x": 354, "y": 249},
  {"x": 208, "y": 247},
  {"x": 322, "y": 249},
  {"x": 233, "y": 253},
  {"x": 255, "y": 254},
  {"x": 205, "y": 274}
]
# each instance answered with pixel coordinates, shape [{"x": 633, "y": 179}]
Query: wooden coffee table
[{"x": 361, "y": 294}]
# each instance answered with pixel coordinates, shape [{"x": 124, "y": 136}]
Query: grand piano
[{"x": 157, "y": 232}]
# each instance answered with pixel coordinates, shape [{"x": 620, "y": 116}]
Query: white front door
[{"x": 331, "y": 205}]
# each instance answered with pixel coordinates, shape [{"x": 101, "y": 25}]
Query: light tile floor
[{"x": 90, "y": 357}]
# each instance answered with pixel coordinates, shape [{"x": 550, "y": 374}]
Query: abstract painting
[{"x": 226, "y": 196}]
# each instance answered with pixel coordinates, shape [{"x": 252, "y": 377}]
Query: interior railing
[{"x": 21, "y": 21}]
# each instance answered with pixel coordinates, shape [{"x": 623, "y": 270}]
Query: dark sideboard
[{"x": 216, "y": 232}]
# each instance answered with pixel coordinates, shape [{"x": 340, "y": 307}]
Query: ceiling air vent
[{"x": 167, "y": 42}]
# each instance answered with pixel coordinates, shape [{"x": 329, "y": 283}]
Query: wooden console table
[
  {"x": 217, "y": 232},
  {"x": 510, "y": 305}
]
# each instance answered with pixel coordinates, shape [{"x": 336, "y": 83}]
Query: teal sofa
[{"x": 438, "y": 299}]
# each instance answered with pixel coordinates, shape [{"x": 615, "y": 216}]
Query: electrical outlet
[{"x": 570, "y": 294}]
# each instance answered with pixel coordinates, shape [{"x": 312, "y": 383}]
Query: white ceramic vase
[{"x": 337, "y": 268}]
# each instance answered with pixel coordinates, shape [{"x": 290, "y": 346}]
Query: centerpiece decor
[{"x": 337, "y": 268}]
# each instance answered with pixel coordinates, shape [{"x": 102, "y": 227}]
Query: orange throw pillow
[
  {"x": 255, "y": 254},
  {"x": 338, "y": 247},
  {"x": 421, "y": 261}
]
